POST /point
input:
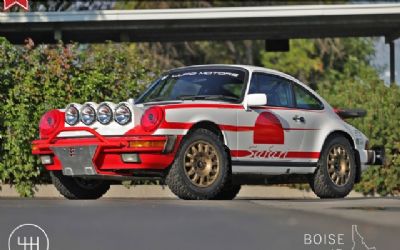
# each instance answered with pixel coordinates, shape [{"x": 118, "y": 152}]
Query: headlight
[
  {"x": 50, "y": 122},
  {"x": 152, "y": 118},
  {"x": 123, "y": 114},
  {"x": 72, "y": 114},
  {"x": 88, "y": 114},
  {"x": 104, "y": 113}
]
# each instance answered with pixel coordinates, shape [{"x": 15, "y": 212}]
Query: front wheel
[
  {"x": 229, "y": 192},
  {"x": 336, "y": 173},
  {"x": 75, "y": 188},
  {"x": 200, "y": 170}
]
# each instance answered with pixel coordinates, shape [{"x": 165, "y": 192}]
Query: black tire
[
  {"x": 74, "y": 188},
  {"x": 229, "y": 192},
  {"x": 177, "y": 179},
  {"x": 322, "y": 184},
  {"x": 311, "y": 183}
]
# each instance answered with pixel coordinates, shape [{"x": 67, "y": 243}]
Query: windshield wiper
[
  {"x": 207, "y": 97},
  {"x": 221, "y": 97},
  {"x": 157, "y": 99},
  {"x": 191, "y": 97}
]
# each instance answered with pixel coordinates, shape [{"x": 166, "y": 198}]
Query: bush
[
  {"x": 35, "y": 80},
  {"x": 381, "y": 125}
]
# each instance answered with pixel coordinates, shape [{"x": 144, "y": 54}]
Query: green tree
[{"x": 303, "y": 60}]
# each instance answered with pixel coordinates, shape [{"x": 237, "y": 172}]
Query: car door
[
  {"x": 275, "y": 132},
  {"x": 312, "y": 113}
]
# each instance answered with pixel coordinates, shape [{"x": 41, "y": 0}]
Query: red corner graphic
[
  {"x": 268, "y": 130},
  {"x": 22, "y": 3}
]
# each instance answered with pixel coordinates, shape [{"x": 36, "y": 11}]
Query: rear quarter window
[{"x": 306, "y": 100}]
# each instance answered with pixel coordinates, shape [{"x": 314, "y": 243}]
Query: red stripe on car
[{"x": 280, "y": 154}]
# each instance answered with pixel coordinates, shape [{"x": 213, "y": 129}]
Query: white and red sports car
[{"x": 205, "y": 130}]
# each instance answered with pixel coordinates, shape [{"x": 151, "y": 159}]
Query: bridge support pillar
[{"x": 392, "y": 52}]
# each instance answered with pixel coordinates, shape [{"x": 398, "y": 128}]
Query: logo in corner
[
  {"x": 335, "y": 241},
  {"x": 358, "y": 240},
  {"x": 10, "y": 3},
  {"x": 28, "y": 236}
]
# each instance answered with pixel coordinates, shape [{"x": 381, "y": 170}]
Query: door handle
[{"x": 298, "y": 118}]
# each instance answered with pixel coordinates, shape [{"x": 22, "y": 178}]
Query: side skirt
[{"x": 273, "y": 168}]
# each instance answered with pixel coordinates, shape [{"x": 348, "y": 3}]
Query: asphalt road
[{"x": 175, "y": 224}]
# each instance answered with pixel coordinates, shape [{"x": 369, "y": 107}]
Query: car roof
[{"x": 250, "y": 68}]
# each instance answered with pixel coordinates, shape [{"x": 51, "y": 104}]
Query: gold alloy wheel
[
  {"x": 338, "y": 165},
  {"x": 201, "y": 163}
]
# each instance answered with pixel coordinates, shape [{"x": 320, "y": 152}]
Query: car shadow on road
[{"x": 298, "y": 199}]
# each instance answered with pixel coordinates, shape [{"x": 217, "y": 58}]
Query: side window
[
  {"x": 277, "y": 89},
  {"x": 305, "y": 100}
]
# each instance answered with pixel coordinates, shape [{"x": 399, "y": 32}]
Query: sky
[{"x": 381, "y": 59}]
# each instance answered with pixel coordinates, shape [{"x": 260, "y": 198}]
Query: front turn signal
[{"x": 146, "y": 144}]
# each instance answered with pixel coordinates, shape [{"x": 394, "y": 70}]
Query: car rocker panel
[{"x": 268, "y": 122}]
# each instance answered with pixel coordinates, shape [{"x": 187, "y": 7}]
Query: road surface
[{"x": 113, "y": 224}]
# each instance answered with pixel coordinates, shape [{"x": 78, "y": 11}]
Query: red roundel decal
[{"x": 268, "y": 130}]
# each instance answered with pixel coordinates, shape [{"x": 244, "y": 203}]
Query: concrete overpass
[{"x": 271, "y": 23}]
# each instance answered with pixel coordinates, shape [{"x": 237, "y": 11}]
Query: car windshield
[{"x": 196, "y": 84}]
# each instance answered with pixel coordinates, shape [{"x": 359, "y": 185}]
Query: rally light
[
  {"x": 132, "y": 158},
  {"x": 123, "y": 114},
  {"x": 46, "y": 159},
  {"x": 72, "y": 114},
  {"x": 88, "y": 114},
  {"x": 152, "y": 118},
  {"x": 49, "y": 122},
  {"x": 146, "y": 144},
  {"x": 104, "y": 113}
]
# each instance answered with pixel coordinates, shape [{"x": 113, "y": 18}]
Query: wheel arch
[
  {"x": 209, "y": 125},
  {"x": 339, "y": 133}
]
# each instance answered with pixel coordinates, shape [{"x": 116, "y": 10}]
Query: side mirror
[{"x": 253, "y": 100}]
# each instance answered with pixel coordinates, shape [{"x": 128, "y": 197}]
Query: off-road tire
[
  {"x": 229, "y": 192},
  {"x": 73, "y": 188},
  {"x": 178, "y": 181},
  {"x": 322, "y": 184}
]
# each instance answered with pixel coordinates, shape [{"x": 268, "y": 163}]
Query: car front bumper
[{"x": 98, "y": 155}]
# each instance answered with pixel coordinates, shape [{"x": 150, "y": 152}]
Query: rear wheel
[
  {"x": 200, "y": 170},
  {"x": 335, "y": 176},
  {"x": 75, "y": 188}
]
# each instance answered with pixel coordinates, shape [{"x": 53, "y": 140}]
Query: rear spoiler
[{"x": 350, "y": 113}]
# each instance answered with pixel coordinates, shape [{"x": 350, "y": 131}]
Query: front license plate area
[{"x": 77, "y": 160}]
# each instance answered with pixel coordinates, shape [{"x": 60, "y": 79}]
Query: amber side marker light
[{"x": 146, "y": 144}]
